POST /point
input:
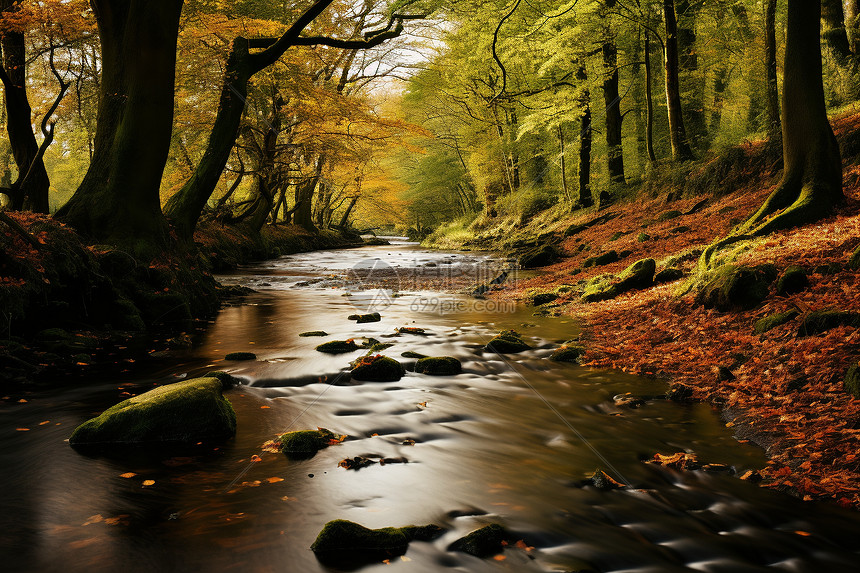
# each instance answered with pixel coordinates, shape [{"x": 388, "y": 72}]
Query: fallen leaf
[
  {"x": 127, "y": 475},
  {"x": 45, "y": 422},
  {"x": 97, "y": 518},
  {"x": 255, "y": 458},
  {"x": 148, "y": 482},
  {"x": 22, "y": 429},
  {"x": 499, "y": 558},
  {"x": 265, "y": 407},
  {"x": 274, "y": 479}
]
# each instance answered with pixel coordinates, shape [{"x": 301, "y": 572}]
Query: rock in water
[
  {"x": 348, "y": 544},
  {"x": 303, "y": 444},
  {"x": 439, "y": 366},
  {"x": 378, "y": 369},
  {"x": 183, "y": 413},
  {"x": 507, "y": 342},
  {"x": 484, "y": 542}
]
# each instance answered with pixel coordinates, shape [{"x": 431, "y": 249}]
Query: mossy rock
[
  {"x": 363, "y": 318},
  {"x": 410, "y": 354},
  {"x": 381, "y": 369},
  {"x": 305, "y": 443},
  {"x": 773, "y": 320},
  {"x": 53, "y": 335},
  {"x": 667, "y": 215},
  {"x": 313, "y": 333},
  {"x": 601, "y": 259},
  {"x": 567, "y": 354},
  {"x": 602, "y": 480},
  {"x": 163, "y": 308},
  {"x": 183, "y": 413},
  {"x": 241, "y": 356},
  {"x": 507, "y": 342},
  {"x": 669, "y": 275},
  {"x": 615, "y": 236},
  {"x": 854, "y": 259},
  {"x": 639, "y": 275},
  {"x": 824, "y": 320},
  {"x": 227, "y": 380},
  {"x": 539, "y": 257},
  {"x": 793, "y": 280},
  {"x": 126, "y": 316},
  {"x": 643, "y": 237},
  {"x": 347, "y": 544},
  {"x": 828, "y": 269},
  {"x": 380, "y": 346},
  {"x": 439, "y": 366},
  {"x": 736, "y": 287},
  {"x": 539, "y": 298},
  {"x": 484, "y": 542},
  {"x": 851, "y": 383},
  {"x": 338, "y": 346}
]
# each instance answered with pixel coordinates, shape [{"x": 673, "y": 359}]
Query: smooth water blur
[{"x": 506, "y": 441}]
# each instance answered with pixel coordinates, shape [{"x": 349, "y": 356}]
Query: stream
[{"x": 507, "y": 441}]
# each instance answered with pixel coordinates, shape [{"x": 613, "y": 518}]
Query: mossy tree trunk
[
  {"x": 687, "y": 13},
  {"x": 612, "y": 116},
  {"x": 649, "y": 102},
  {"x": 118, "y": 200},
  {"x": 812, "y": 181},
  {"x": 586, "y": 199},
  {"x": 31, "y": 194},
  {"x": 774, "y": 125},
  {"x": 681, "y": 150}
]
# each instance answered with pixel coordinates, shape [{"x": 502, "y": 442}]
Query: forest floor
[{"x": 781, "y": 389}]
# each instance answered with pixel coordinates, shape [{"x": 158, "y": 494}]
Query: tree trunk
[
  {"x": 774, "y": 125},
  {"x": 612, "y": 99},
  {"x": 686, "y": 13},
  {"x": 585, "y": 197},
  {"x": 563, "y": 164},
  {"x": 812, "y": 181},
  {"x": 33, "y": 195},
  {"x": 345, "y": 219},
  {"x": 303, "y": 215},
  {"x": 721, "y": 81},
  {"x": 852, "y": 25},
  {"x": 649, "y": 102},
  {"x": 118, "y": 199},
  {"x": 677, "y": 133},
  {"x": 835, "y": 35}
]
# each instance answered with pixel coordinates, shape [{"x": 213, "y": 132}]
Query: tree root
[{"x": 15, "y": 226}]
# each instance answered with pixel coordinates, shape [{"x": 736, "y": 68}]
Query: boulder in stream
[
  {"x": 338, "y": 346},
  {"x": 377, "y": 369},
  {"x": 363, "y": 318},
  {"x": 347, "y": 544},
  {"x": 241, "y": 356},
  {"x": 313, "y": 333},
  {"x": 439, "y": 366},
  {"x": 567, "y": 353},
  {"x": 183, "y": 413},
  {"x": 306, "y": 443},
  {"x": 507, "y": 342},
  {"x": 484, "y": 542}
]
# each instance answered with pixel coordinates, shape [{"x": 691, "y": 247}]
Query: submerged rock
[
  {"x": 338, "y": 346},
  {"x": 306, "y": 443},
  {"x": 348, "y": 544},
  {"x": 567, "y": 353},
  {"x": 182, "y": 413},
  {"x": 410, "y": 354},
  {"x": 378, "y": 369},
  {"x": 507, "y": 342},
  {"x": 314, "y": 333},
  {"x": 602, "y": 480},
  {"x": 484, "y": 542},
  {"x": 240, "y": 356},
  {"x": 439, "y": 366}
]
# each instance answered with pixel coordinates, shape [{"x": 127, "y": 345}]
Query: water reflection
[{"x": 485, "y": 448}]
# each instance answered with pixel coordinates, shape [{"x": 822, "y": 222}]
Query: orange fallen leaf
[
  {"x": 265, "y": 407},
  {"x": 499, "y": 558},
  {"x": 274, "y": 479},
  {"x": 127, "y": 475},
  {"x": 148, "y": 482},
  {"x": 97, "y": 518},
  {"x": 255, "y": 458},
  {"x": 803, "y": 533},
  {"x": 45, "y": 422}
]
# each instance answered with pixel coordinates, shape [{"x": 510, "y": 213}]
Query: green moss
[
  {"x": 484, "y": 542},
  {"x": 305, "y": 443},
  {"x": 643, "y": 237},
  {"x": 314, "y": 333},
  {"x": 823, "y": 320},
  {"x": 854, "y": 259},
  {"x": 567, "y": 354},
  {"x": 382, "y": 369},
  {"x": 410, "y": 354},
  {"x": 793, "y": 280},
  {"x": 733, "y": 287},
  {"x": 667, "y": 215},
  {"x": 773, "y": 320},
  {"x": 615, "y": 236},
  {"x": 183, "y": 413},
  {"x": 363, "y": 318},
  {"x": 668, "y": 276},
  {"x": 600, "y": 260},
  {"x": 507, "y": 342},
  {"x": 380, "y": 346},
  {"x": 537, "y": 298},
  {"x": 240, "y": 356},
  {"x": 851, "y": 383},
  {"x": 338, "y": 346},
  {"x": 439, "y": 366},
  {"x": 348, "y": 544},
  {"x": 639, "y": 275}
]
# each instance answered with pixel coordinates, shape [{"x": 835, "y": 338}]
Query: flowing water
[{"x": 508, "y": 441}]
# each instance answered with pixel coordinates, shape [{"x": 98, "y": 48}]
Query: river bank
[
  {"x": 780, "y": 384},
  {"x": 72, "y": 310}
]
